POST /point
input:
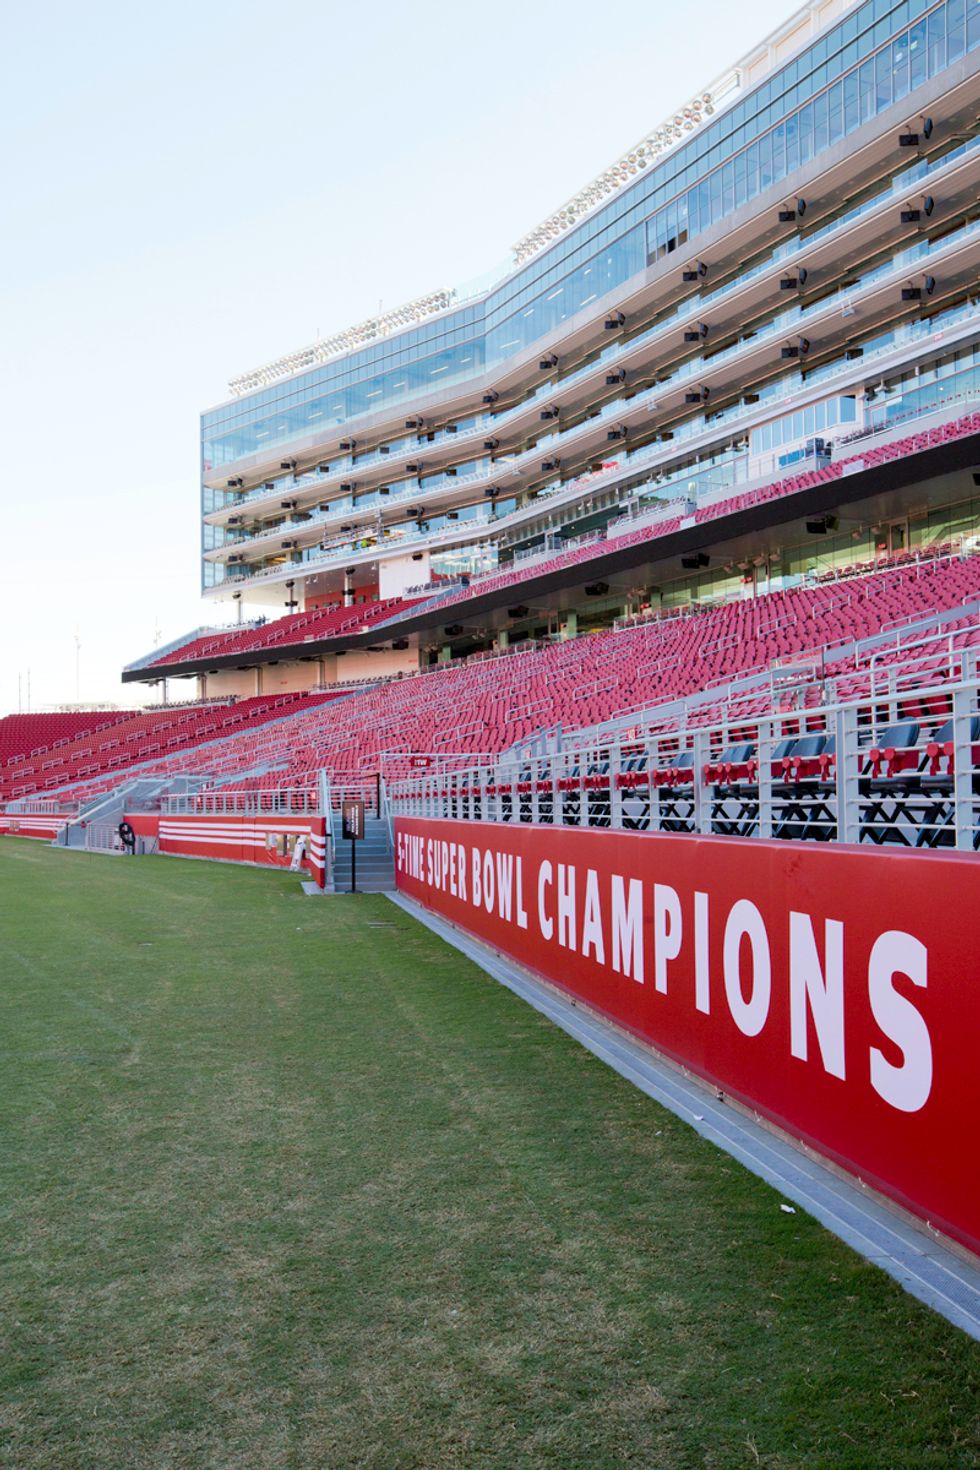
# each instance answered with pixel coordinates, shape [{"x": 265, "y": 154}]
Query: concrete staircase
[
  {"x": 375, "y": 860},
  {"x": 108, "y": 810}
]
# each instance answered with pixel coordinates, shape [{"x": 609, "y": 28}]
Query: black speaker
[
  {"x": 597, "y": 589},
  {"x": 517, "y": 612}
]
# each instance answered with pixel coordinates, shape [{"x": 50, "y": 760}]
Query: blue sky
[{"x": 196, "y": 188}]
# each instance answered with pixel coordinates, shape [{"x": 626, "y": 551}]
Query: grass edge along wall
[{"x": 829, "y": 989}]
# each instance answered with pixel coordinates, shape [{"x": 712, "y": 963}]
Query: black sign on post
[{"x": 352, "y": 827}]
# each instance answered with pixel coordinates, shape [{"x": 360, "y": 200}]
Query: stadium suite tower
[{"x": 790, "y": 260}]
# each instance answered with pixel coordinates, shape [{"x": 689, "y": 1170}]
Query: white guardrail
[{"x": 903, "y": 768}]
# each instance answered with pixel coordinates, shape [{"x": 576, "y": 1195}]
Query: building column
[
  {"x": 570, "y": 625},
  {"x": 503, "y": 639}
]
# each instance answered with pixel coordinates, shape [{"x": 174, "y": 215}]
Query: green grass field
[{"x": 280, "y": 1187}]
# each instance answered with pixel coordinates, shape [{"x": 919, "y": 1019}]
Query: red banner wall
[
  {"x": 26, "y": 825},
  {"x": 243, "y": 839},
  {"x": 830, "y": 988}
]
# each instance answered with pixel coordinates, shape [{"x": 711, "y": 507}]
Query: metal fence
[
  {"x": 103, "y": 837},
  {"x": 292, "y": 801},
  {"x": 902, "y": 770}
]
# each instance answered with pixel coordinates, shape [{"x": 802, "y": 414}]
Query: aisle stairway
[{"x": 375, "y": 859}]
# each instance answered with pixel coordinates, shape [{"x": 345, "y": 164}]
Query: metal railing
[
  {"x": 290, "y": 801},
  {"x": 103, "y": 837},
  {"x": 28, "y": 806},
  {"x": 903, "y": 771}
]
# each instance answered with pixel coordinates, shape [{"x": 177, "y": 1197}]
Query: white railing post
[
  {"x": 764, "y": 749},
  {"x": 847, "y": 774},
  {"x": 615, "y": 791},
  {"x": 962, "y": 763},
  {"x": 702, "y": 795}
]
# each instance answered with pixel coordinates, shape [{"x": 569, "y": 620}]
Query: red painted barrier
[
  {"x": 246, "y": 839},
  {"x": 830, "y": 988},
  {"x": 46, "y": 829},
  {"x": 144, "y": 824}
]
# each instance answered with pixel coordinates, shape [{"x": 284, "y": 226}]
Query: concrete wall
[
  {"x": 241, "y": 682},
  {"x": 401, "y": 572},
  {"x": 375, "y": 665},
  {"x": 287, "y": 678}
]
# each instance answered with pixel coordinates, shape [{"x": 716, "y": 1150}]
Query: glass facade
[
  {"x": 805, "y": 423},
  {"x": 870, "y": 59}
]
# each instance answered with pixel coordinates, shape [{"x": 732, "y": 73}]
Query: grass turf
[{"x": 283, "y": 1188}]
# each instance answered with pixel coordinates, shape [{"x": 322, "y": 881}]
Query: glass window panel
[
  {"x": 806, "y": 134},
  {"x": 728, "y": 188},
  {"x": 835, "y": 112},
  {"x": 867, "y": 85},
  {"x": 704, "y": 204},
  {"x": 883, "y": 80},
  {"x": 918, "y": 54},
  {"x": 741, "y": 193},
  {"x": 937, "y": 40},
  {"x": 752, "y": 170},
  {"x": 714, "y": 184},
  {"x": 792, "y": 144},
  {"x": 852, "y": 103},
  {"x": 972, "y": 24},
  {"x": 900, "y": 68},
  {"x": 955, "y": 29}
]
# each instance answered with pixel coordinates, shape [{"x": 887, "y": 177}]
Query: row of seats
[
  {"x": 107, "y": 753},
  {"x": 25, "y": 735},
  {"x": 321, "y": 622},
  {"x": 904, "y": 792},
  {"x": 335, "y": 621},
  {"x": 478, "y": 708}
]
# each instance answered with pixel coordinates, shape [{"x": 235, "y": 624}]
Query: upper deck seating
[
  {"x": 25, "y": 735},
  {"x": 296, "y": 628},
  {"x": 486, "y": 705}
]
